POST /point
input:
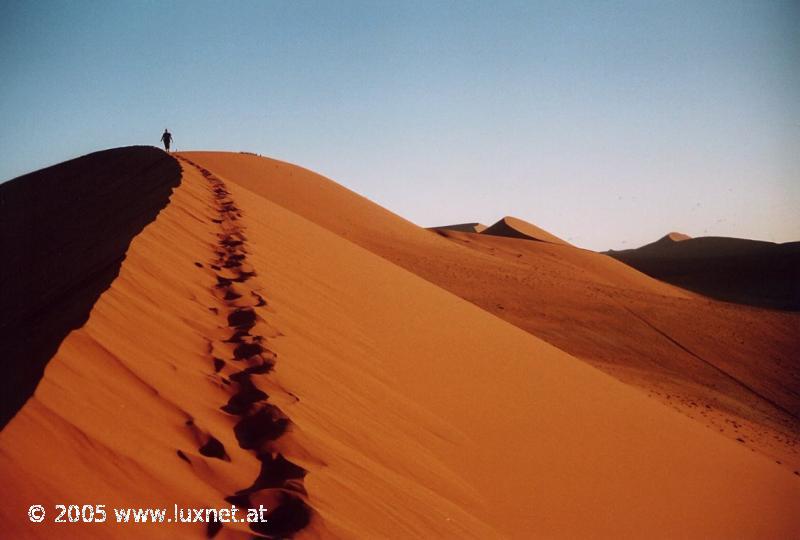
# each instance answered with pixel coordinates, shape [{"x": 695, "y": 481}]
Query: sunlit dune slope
[
  {"x": 734, "y": 369},
  {"x": 731, "y": 269},
  {"x": 415, "y": 413},
  {"x": 516, "y": 228},
  {"x": 500, "y": 415},
  {"x": 667, "y": 240}
]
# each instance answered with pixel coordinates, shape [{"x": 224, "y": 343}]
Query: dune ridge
[
  {"x": 677, "y": 237},
  {"x": 752, "y": 272},
  {"x": 465, "y": 227},
  {"x": 385, "y": 319},
  {"x": 413, "y": 411},
  {"x": 64, "y": 231},
  {"x": 516, "y": 228},
  {"x": 130, "y": 409},
  {"x": 279, "y": 483},
  {"x": 581, "y": 302}
]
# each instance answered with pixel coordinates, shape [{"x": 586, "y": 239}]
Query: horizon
[{"x": 608, "y": 126}]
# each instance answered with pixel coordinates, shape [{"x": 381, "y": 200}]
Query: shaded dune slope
[
  {"x": 165, "y": 395},
  {"x": 734, "y": 369},
  {"x": 64, "y": 231},
  {"x": 464, "y": 227},
  {"x": 731, "y": 269}
]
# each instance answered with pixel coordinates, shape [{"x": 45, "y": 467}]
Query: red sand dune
[
  {"x": 388, "y": 406},
  {"x": 65, "y": 231},
  {"x": 464, "y": 227},
  {"x": 669, "y": 239},
  {"x": 517, "y": 228},
  {"x": 738, "y": 375},
  {"x": 732, "y": 269}
]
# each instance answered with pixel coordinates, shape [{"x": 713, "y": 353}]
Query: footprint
[
  {"x": 264, "y": 425},
  {"x": 276, "y": 472},
  {"x": 246, "y": 395},
  {"x": 214, "y": 448},
  {"x": 279, "y": 484},
  {"x": 288, "y": 514},
  {"x": 243, "y": 351},
  {"x": 242, "y": 318},
  {"x": 231, "y": 295},
  {"x": 213, "y": 528}
]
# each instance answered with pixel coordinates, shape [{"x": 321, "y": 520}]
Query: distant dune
[
  {"x": 731, "y": 269},
  {"x": 517, "y": 228},
  {"x": 274, "y": 338},
  {"x": 464, "y": 227},
  {"x": 668, "y": 239}
]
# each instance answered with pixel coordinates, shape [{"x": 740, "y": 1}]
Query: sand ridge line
[{"x": 279, "y": 484}]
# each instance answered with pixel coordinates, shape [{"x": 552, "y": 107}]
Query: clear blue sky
[{"x": 607, "y": 123}]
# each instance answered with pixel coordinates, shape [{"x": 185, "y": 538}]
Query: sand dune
[
  {"x": 517, "y": 228},
  {"x": 65, "y": 231},
  {"x": 667, "y": 240},
  {"x": 736, "y": 375},
  {"x": 260, "y": 341},
  {"x": 731, "y": 269},
  {"x": 464, "y": 227}
]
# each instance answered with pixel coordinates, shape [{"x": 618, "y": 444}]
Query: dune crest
[
  {"x": 677, "y": 237},
  {"x": 403, "y": 410},
  {"x": 750, "y": 272},
  {"x": 464, "y": 227},
  {"x": 587, "y": 304},
  {"x": 516, "y": 228},
  {"x": 280, "y": 482},
  {"x": 665, "y": 242},
  {"x": 64, "y": 231}
]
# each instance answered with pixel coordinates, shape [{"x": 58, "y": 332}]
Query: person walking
[{"x": 166, "y": 138}]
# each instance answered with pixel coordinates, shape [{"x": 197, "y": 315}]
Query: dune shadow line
[{"x": 64, "y": 232}]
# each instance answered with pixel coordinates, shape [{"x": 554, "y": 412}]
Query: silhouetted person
[{"x": 167, "y": 139}]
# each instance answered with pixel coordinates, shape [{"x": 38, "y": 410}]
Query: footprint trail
[{"x": 279, "y": 484}]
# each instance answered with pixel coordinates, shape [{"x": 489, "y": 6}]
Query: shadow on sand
[{"x": 64, "y": 232}]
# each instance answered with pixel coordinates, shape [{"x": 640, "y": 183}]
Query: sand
[
  {"x": 737, "y": 375},
  {"x": 65, "y": 231},
  {"x": 464, "y": 227},
  {"x": 757, "y": 273},
  {"x": 413, "y": 411},
  {"x": 512, "y": 227}
]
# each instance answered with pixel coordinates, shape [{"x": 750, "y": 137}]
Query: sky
[{"x": 607, "y": 123}]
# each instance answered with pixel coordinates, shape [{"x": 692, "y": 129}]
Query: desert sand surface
[
  {"x": 273, "y": 337},
  {"x": 464, "y": 227},
  {"x": 751, "y": 272},
  {"x": 736, "y": 369},
  {"x": 65, "y": 231},
  {"x": 512, "y": 227}
]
